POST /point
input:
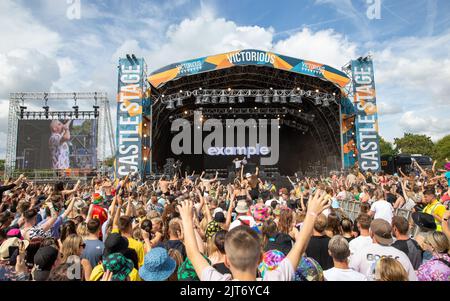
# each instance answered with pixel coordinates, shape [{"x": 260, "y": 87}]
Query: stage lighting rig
[
  {"x": 75, "y": 107},
  {"x": 46, "y": 107},
  {"x": 170, "y": 105}
]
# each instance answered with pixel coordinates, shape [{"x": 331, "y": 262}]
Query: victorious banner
[
  {"x": 366, "y": 120},
  {"x": 247, "y": 57},
  {"x": 129, "y": 116}
]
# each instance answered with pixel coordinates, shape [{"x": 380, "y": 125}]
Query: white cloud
[
  {"x": 386, "y": 108},
  {"x": 26, "y": 70},
  {"x": 20, "y": 29},
  {"x": 424, "y": 124},
  {"x": 325, "y": 46}
]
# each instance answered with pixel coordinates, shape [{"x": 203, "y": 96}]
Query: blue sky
[{"x": 44, "y": 50}]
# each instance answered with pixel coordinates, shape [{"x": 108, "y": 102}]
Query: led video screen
[{"x": 56, "y": 144}]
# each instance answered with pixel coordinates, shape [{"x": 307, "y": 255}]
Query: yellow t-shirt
[
  {"x": 135, "y": 245},
  {"x": 98, "y": 271},
  {"x": 435, "y": 208}
]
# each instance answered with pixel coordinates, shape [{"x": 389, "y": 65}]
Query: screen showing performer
[{"x": 56, "y": 144}]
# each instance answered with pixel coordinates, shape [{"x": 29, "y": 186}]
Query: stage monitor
[{"x": 56, "y": 144}]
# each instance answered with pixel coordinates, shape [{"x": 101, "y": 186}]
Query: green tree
[
  {"x": 442, "y": 148},
  {"x": 386, "y": 148},
  {"x": 415, "y": 144}
]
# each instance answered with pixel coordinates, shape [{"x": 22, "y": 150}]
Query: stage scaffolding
[{"x": 101, "y": 111}]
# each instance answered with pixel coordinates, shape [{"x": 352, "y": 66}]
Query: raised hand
[
  {"x": 185, "y": 210},
  {"x": 318, "y": 203}
]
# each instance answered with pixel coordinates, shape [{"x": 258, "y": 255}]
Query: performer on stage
[
  {"x": 238, "y": 163},
  {"x": 177, "y": 167}
]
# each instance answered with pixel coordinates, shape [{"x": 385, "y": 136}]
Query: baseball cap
[
  {"x": 281, "y": 242},
  {"x": 115, "y": 243},
  {"x": 248, "y": 175},
  {"x": 382, "y": 231},
  {"x": 219, "y": 217},
  {"x": 44, "y": 259}
]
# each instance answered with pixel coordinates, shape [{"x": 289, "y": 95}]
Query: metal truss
[
  {"x": 273, "y": 93},
  {"x": 17, "y": 111}
]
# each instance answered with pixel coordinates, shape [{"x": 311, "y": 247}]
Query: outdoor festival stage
[{"x": 319, "y": 124}]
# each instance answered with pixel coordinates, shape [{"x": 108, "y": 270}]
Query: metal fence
[{"x": 352, "y": 210}]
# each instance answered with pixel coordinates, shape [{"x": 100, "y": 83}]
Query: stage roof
[{"x": 244, "y": 58}]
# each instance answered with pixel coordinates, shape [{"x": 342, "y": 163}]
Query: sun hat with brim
[
  {"x": 270, "y": 261},
  {"x": 241, "y": 207},
  {"x": 158, "y": 265},
  {"x": 10, "y": 243},
  {"x": 308, "y": 270},
  {"x": 119, "y": 265},
  {"x": 186, "y": 271},
  {"x": 212, "y": 228},
  {"x": 382, "y": 231}
]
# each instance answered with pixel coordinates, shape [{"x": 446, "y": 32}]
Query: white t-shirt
[
  {"x": 383, "y": 209},
  {"x": 59, "y": 152},
  {"x": 364, "y": 260},
  {"x": 269, "y": 202},
  {"x": 359, "y": 243},
  {"x": 237, "y": 222},
  {"x": 335, "y": 274}
]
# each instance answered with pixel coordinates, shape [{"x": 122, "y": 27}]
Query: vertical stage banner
[
  {"x": 366, "y": 116},
  {"x": 129, "y": 116}
]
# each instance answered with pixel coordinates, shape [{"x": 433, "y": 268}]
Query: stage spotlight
[
  {"x": 170, "y": 105},
  {"x": 223, "y": 99},
  {"x": 22, "y": 109},
  {"x": 198, "y": 99},
  {"x": 241, "y": 99},
  {"x": 317, "y": 101},
  {"x": 179, "y": 102},
  {"x": 231, "y": 99},
  {"x": 214, "y": 99},
  {"x": 258, "y": 98},
  {"x": 326, "y": 103},
  {"x": 275, "y": 98},
  {"x": 205, "y": 99},
  {"x": 283, "y": 99},
  {"x": 267, "y": 99},
  {"x": 96, "y": 111}
]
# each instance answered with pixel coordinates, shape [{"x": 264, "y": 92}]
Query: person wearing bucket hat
[
  {"x": 242, "y": 218},
  {"x": 119, "y": 265},
  {"x": 212, "y": 228},
  {"x": 381, "y": 233},
  {"x": 308, "y": 270},
  {"x": 260, "y": 212},
  {"x": 186, "y": 271},
  {"x": 270, "y": 261},
  {"x": 158, "y": 265},
  {"x": 8, "y": 245}
]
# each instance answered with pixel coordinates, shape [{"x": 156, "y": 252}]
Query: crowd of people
[{"x": 198, "y": 228}]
